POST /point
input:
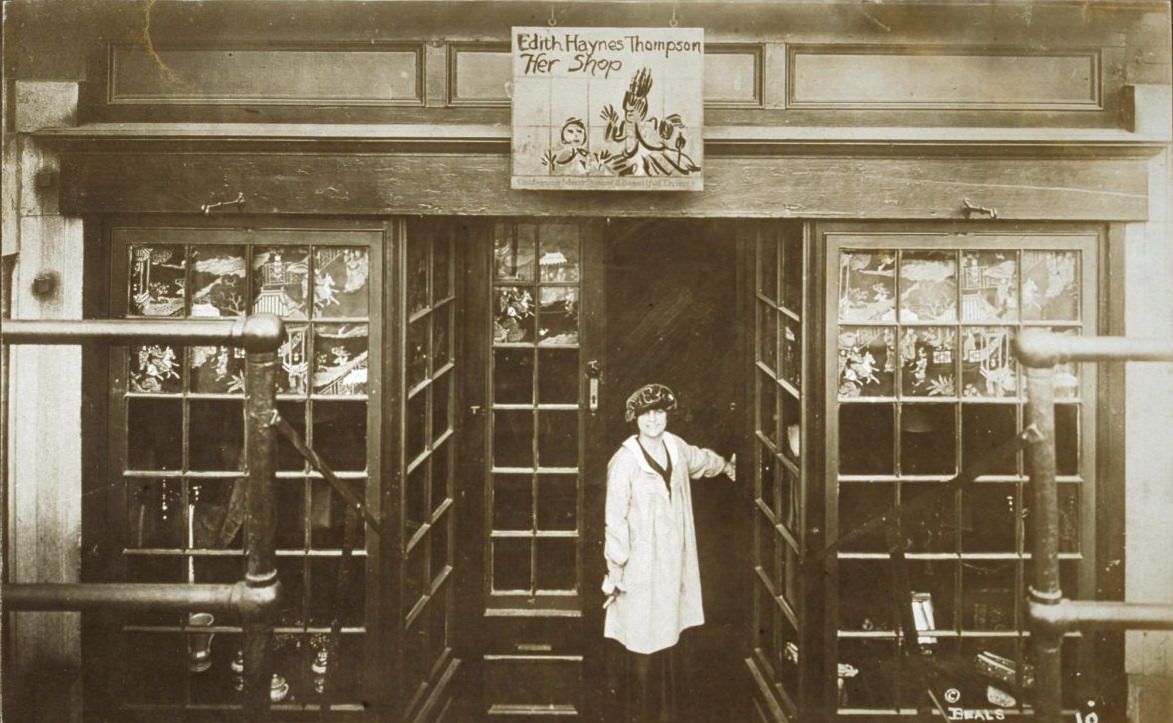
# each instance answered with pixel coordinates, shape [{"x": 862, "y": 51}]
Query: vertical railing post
[
  {"x": 262, "y": 335},
  {"x": 1044, "y": 514}
]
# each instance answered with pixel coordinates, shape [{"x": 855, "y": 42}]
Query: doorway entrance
[
  {"x": 672, "y": 317},
  {"x": 547, "y": 305}
]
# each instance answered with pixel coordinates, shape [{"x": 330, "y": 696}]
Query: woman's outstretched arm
[{"x": 705, "y": 462}]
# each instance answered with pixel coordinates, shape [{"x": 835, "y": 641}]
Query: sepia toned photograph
[{"x": 613, "y": 361}]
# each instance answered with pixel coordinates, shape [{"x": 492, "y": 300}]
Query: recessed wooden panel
[
  {"x": 377, "y": 75},
  {"x": 480, "y": 74},
  {"x": 945, "y": 78},
  {"x": 533, "y": 681},
  {"x": 733, "y": 75}
]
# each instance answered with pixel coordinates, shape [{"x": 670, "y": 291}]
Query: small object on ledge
[
  {"x": 237, "y": 668},
  {"x": 318, "y": 667},
  {"x": 278, "y": 689},
  {"x": 199, "y": 645},
  {"x": 970, "y": 210},
  {"x": 1004, "y": 670}
]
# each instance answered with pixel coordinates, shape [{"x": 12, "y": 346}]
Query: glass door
[
  {"x": 780, "y": 467},
  {"x": 530, "y": 330}
]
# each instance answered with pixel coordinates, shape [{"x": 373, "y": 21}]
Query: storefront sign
[{"x": 608, "y": 108}]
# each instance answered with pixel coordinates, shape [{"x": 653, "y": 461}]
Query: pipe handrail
[
  {"x": 259, "y": 332},
  {"x": 1040, "y": 348},
  {"x": 256, "y": 597},
  {"x": 1049, "y": 613}
]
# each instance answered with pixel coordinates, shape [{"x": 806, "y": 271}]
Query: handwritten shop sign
[{"x": 608, "y": 108}]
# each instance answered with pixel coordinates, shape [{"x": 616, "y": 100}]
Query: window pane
[
  {"x": 983, "y": 428},
  {"x": 767, "y": 335},
  {"x": 513, "y": 376},
  {"x": 441, "y": 268},
  {"x": 156, "y": 281},
  {"x": 788, "y": 493},
  {"x": 340, "y": 434},
  {"x": 792, "y": 273},
  {"x": 439, "y": 541},
  {"x": 513, "y": 252},
  {"x": 511, "y": 564},
  {"x": 161, "y": 660},
  {"x": 558, "y": 258},
  {"x": 155, "y": 369},
  {"x": 291, "y": 495},
  {"x": 325, "y": 605},
  {"x": 988, "y": 594},
  {"x": 216, "y": 369},
  {"x": 154, "y": 513},
  {"x": 294, "y": 361},
  {"x": 417, "y": 272},
  {"x": 989, "y": 516},
  {"x": 415, "y": 431},
  {"x": 441, "y": 337},
  {"x": 513, "y": 433},
  {"x": 281, "y": 281},
  {"x": 988, "y": 368},
  {"x": 790, "y": 431},
  {"x": 932, "y": 527},
  {"x": 867, "y": 286},
  {"x": 288, "y": 458},
  {"x": 1067, "y": 439},
  {"x": 218, "y": 281},
  {"x": 340, "y": 282},
  {"x": 767, "y": 405},
  {"x": 217, "y": 510},
  {"x": 558, "y": 376},
  {"x": 868, "y": 673},
  {"x": 441, "y": 406},
  {"x": 558, "y": 439},
  {"x": 989, "y": 286},
  {"x": 340, "y": 359},
  {"x": 418, "y": 339},
  {"x": 865, "y": 439},
  {"x": 557, "y": 502},
  {"x": 927, "y": 436},
  {"x": 328, "y": 515},
  {"x": 858, "y": 503},
  {"x": 556, "y": 568},
  {"x": 415, "y": 491},
  {"x": 441, "y": 474},
  {"x": 867, "y": 361},
  {"x": 514, "y": 317},
  {"x": 927, "y": 355},
  {"x": 1066, "y": 381},
  {"x": 512, "y": 502},
  {"x": 558, "y": 315},
  {"x": 792, "y": 352},
  {"x": 767, "y": 479},
  {"x": 768, "y": 267},
  {"x": 928, "y": 286},
  {"x": 1050, "y": 285},
  {"x": 154, "y": 433},
  {"x": 216, "y": 430}
]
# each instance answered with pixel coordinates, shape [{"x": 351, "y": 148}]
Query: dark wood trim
[
  {"x": 1111, "y": 484},
  {"x": 474, "y": 184}
]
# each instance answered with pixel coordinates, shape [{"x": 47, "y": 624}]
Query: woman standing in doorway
[{"x": 653, "y": 583}]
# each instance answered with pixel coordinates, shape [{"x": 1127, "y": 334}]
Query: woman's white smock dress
[{"x": 651, "y": 545}]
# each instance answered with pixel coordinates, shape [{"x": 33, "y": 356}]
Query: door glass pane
[
  {"x": 511, "y": 564},
  {"x": 157, "y": 280},
  {"x": 558, "y": 253},
  {"x": 514, "y": 318},
  {"x": 513, "y": 376},
  {"x": 557, "y": 439},
  {"x": 557, "y": 502},
  {"x": 557, "y": 376},
  {"x": 558, "y": 315},
  {"x": 340, "y": 282},
  {"x": 513, "y": 252},
  {"x": 512, "y": 502},
  {"x": 513, "y": 438},
  {"x": 556, "y": 568},
  {"x": 218, "y": 281}
]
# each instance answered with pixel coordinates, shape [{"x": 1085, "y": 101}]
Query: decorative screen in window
[
  {"x": 182, "y": 453},
  {"x": 535, "y": 401},
  {"x": 926, "y": 384}
]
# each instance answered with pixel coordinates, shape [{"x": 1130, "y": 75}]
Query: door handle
[{"x": 594, "y": 371}]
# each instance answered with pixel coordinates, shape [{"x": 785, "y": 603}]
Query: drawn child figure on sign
[{"x": 572, "y": 158}]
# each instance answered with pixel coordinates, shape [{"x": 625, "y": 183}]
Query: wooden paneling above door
[{"x": 1057, "y": 188}]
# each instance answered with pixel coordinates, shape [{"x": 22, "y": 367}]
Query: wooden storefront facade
[{"x": 891, "y": 192}]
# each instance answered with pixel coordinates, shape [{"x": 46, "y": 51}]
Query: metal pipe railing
[
  {"x": 1050, "y": 615},
  {"x": 255, "y": 598}
]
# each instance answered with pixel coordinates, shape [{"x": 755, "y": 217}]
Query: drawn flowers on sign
[{"x": 636, "y": 144}]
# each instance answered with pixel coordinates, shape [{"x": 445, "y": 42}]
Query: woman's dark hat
[{"x": 648, "y": 397}]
